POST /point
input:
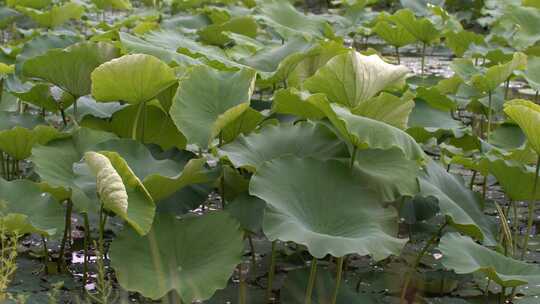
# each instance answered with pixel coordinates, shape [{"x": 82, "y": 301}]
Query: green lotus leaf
[
  {"x": 457, "y": 202},
  {"x": 426, "y": 122},
  {"x": 7, "y": 16},
  {"x": 208, "y": 99},
  {"x": 464, "y": 68},
  {"x": 525, "y": 22},
  {"x": 37, "y": 4},
  {"x": 117, "y": 187},
  {"x": 527, "y": 115},
  {"x": 158, "y": 127},
  {"x": 193, "y": 257},
  {"x": 113, "y": 4},
  {"x": 336, "y": 215},
  {"x": 364, "y": 132},
  {"x": 508, "y": 136},
  {"x": 214, "y": 33},
  {"x": 70, "y": 68},
  {"x": 388, "y": 173},
  {"x": 242, "y": 124},
  {"x": 298, "y": 103},
  {"x": 516, "y": 179},
  {"x": 395, "y": 35},
  {"x": 463, "y": 255},
  {"x": 19, "y": 133},
  {"x": 315, "y": 58},
  {"x": 387, "y": 108},
  {"x": 24, "y": 208},
  {"x": 498, "y": 74},
  {"x": 54, "y": 162},
  {"x": 161, "y": 178},
  {"x": 40, "y": 44},
  {"x": 353, "y": 78},
  {"x": 54, "y": 17},
  {"x": 421, "y": 7},
  {"x": 288, "y": 22},
  {"x": 165, "y": 53},
  {"x": 276, "y": 63},
  {"x": 42, "y": 95},
  {"x": 532, "y": 72},
  {"x": 248, "y": 210},
  {"x": 459, "y": 42},
  {"x": 305, "y": 139},
  {"x": 89, "y": 106},
  {"x": 131, "y": 78},
  {"x": 422, "y": 29},
  {"x": 435, "y": 98}
]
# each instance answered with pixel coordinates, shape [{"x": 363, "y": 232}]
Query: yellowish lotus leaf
[
  {"x": 110, "y": 186},
  {"x": 527, "y": 115}
]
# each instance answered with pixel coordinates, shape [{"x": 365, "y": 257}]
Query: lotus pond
[{"x": 271, "y": 151}]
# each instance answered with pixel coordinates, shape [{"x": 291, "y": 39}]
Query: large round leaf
[
  {"x": 208, "y": 99},
  {"x": 463, "y": 255},
  {"x": 193, "y": 257},
  {"x": 71, "y": 67},
  {"x": 23, "y": 207},
  {"x": 353, "y": 78},
  {"x": 57, "y": 15},
  {"x": 272, "y": 141},
  {"x": 326, "y": 206},
  {"x": 131, "y": 78},
  {"x": 527, "y": 115}
]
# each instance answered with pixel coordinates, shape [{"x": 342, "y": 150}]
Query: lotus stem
[
  {"x": 353, "y": 156},
  {"x": 311, "y": 281},
  {"x": 515, "y": 226},
  {"x": 252, "y": 249},
  {"x": 75, "y": 111},
  {"x": 45, "y": 254},
  {"x": 489, "y": 116},
  {"x": 472, "y": 179},
  {"x": 3, "y": 164},
  {"x": 397, "y": 55},
  {"x": 242, "y": 288},
  {"x": 86, "y": 244},
  {"x": 484, "y": 187},
  {"x": 339, "y": 264},
  {"x": 136, "y": 121},
  {"x": 531, "y": 209},
  {"x": 506, "y": 88},
  {"x": 536, "y": 97},
  {"x": 419, "y": 257},
  {"x": 423, "y": 58},
  {"x": 271, "y": 272},
  {"x": 67, "y": 227}
]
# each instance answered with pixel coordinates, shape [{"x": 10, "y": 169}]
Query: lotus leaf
[
  {"x": 193, "y": 257},
  {"x": 527, "y": 115},
  {"x": 325, "y": 206}
]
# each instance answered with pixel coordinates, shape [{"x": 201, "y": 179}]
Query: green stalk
[
  {"x": 423, "y": 58},
  {"x": 136, "y": 122},
  {"x": 3, "y": 164},
  {"x": 515, "y": 226},
  {"x": 419, "y": 257},
  {"x": 242, "y": 288},
  {"x": 472, "y": 179},
  {"x": 45, "y": 254},
  {"x": 489, "y": 117},
  {"x": 67, "y": 226},
  {"x": 339, "y": 263},
  {"x": 531, "y": 210},
  {"x": 311, "y": 281},
  {"x": 506, "y": 88},
  {"x": 252, "y": 249},
  {"x": 397, "y": 55},
  {"x": 86, "y": 244},
  {"x": 271, "y": 272},
  {"x": 353, "y": 156}
]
